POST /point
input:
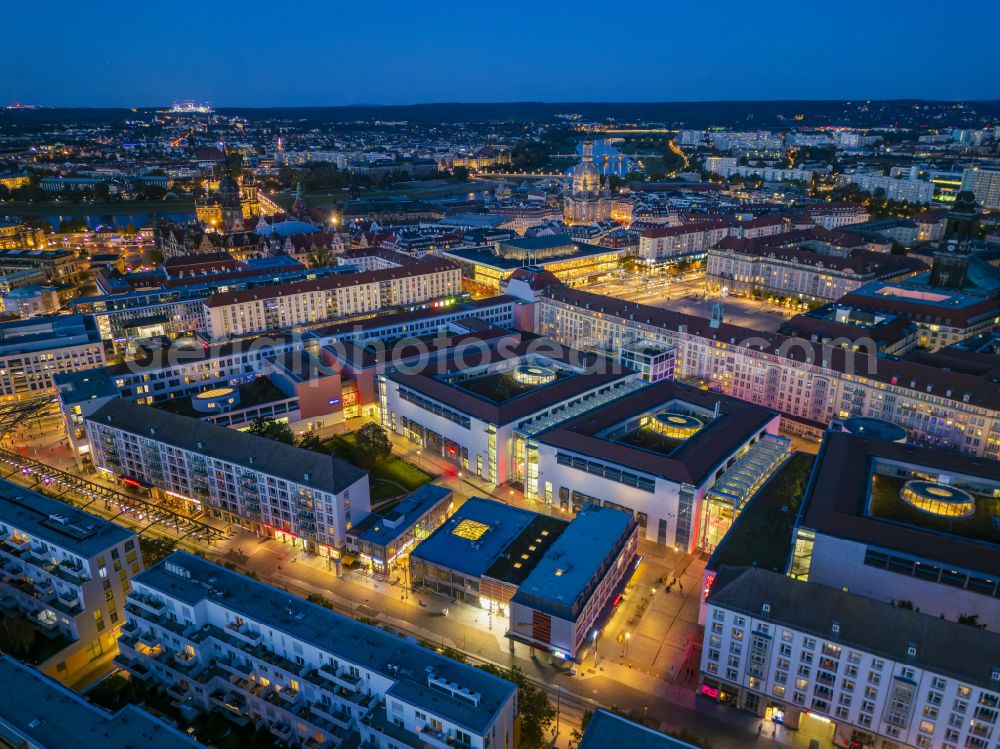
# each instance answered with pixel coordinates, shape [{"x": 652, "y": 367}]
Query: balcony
[
  {"x": 282, "y": 731},
  {"x": 179, "y": 694},
  {"x": 240, "y": 669},
  {"x": 434, "y": 737},
  {"x": 150, "y": 639},
  {"x": 148, "y": 603},
  {"x": 242, "y": 631},
  {"x": 18, "y": 543},
  {"x": 341, "y": 678},
  {"x": 185, "y": 660},
  {"x": 290, "y": 696},
  {"x": 340, "y": 718}
]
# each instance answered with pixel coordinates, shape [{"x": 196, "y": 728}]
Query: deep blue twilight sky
[{"x": 274, "y": 53}]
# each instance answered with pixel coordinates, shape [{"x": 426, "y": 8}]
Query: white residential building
[
  {"x": 984, "y": 182},
  {"x": 846, "y": 668},
  {"x": 218, "y": 641},
  {"x": 903, "y": 190},
  {"x": 32, "y": 351},
  {"x": 67, "y": 571},
  {"x": 326, "y": 299},
  {"x": 300, "y": 496}
]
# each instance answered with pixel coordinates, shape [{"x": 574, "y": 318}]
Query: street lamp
[
  {"x": 628, "y": 636},
  {"x": 593, "y": 639}
]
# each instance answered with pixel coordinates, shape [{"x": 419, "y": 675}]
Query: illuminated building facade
[
  {"x": 67, "y": 572},
  {"x": 326, "y": 299},
  {"x": 213, "y": 639},
  {"x": 299, "y": 496},
  {"x": 586, "y": 202},
  {"x": 947, "y": 405},
  {"x": 845, "y": 668}
]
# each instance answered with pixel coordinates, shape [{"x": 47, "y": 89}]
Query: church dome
[
  {"x": 586, "y": 175},
  {"x": 287, "y": 229},
  {"x": 228, "y": 185}
]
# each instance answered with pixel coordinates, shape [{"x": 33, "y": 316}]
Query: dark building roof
[
  {"x": 606, "y": 729},
  {"x": 51, "y": 716},
  {"x": 943, "y": 647},
  {"x": 837, "y": 499},
  {"x": 306, "y": 467},
  {"x": 692, "y": 461},
  {"x": 596, "y": 372},
  {"x": 406, "y": 663}
]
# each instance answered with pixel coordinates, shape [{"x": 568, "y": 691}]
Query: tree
[
  {"x": 536, "y": 711},
  {"x": 273, "y": 430},
  {"x": 16, "y": 635},
  {"x": 972, "y": 620},
  {"x": 577, "y": 735},
  {"x": 371, "y": 445},
  {"x": 320, "y": 256},
  {"x": 460, "y": 173},
  {"x": 311, "y": 441},
  {"x": 155, "y": 549}
]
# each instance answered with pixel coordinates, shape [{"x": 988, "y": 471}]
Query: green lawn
[
  {"x": 762, "y": 534},
  {"x": 886, "y": 503},
  {"x": 649, "y": 439},
  {"x": 386, "y": 475}
]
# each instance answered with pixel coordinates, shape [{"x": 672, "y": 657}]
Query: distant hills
[{"x": 764, "y": 114}]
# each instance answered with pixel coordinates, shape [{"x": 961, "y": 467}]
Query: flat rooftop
[
  {"x": 472, "y": 539},
  {"x": 47, "y": 715},
  {"x": 840, "y": 495},
  {"x": 84, "y": 384},
  {"x": 573, "y": 560},
  {"x": 57, "y": 522},
  {"x": 363, "y": 328},
  {"x": 606, "y": 729},
  {"x": 491, "y": 259},
  {"x": 47, "y": 332},
  {"x": 382, "y": 529},
  {"x": 361, "y": 644}
]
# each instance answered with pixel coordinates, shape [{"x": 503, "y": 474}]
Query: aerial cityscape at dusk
[{"x": 500, "y": 377}]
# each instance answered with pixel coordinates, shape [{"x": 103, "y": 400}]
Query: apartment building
[
  {"x": 984, "y": 183},
  {"x": 903, "y": 190},
  {"x": 32, "y": 351},
  {"x": 665, "y": 242},
  {"x": 843, "y": 667},
  {"x": 67, "y": 571},
  {"x": 39, "y": 713},
  {"x": 807, "y": 381},
  {"x": 302, "y": 497},
  {"x": 743, "y": 267},
  {"x": 218, "y": 641},
  {"x": 311, "y": 302}
]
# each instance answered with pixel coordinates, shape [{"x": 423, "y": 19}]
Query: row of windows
[{"x": 607, "y": 472}]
